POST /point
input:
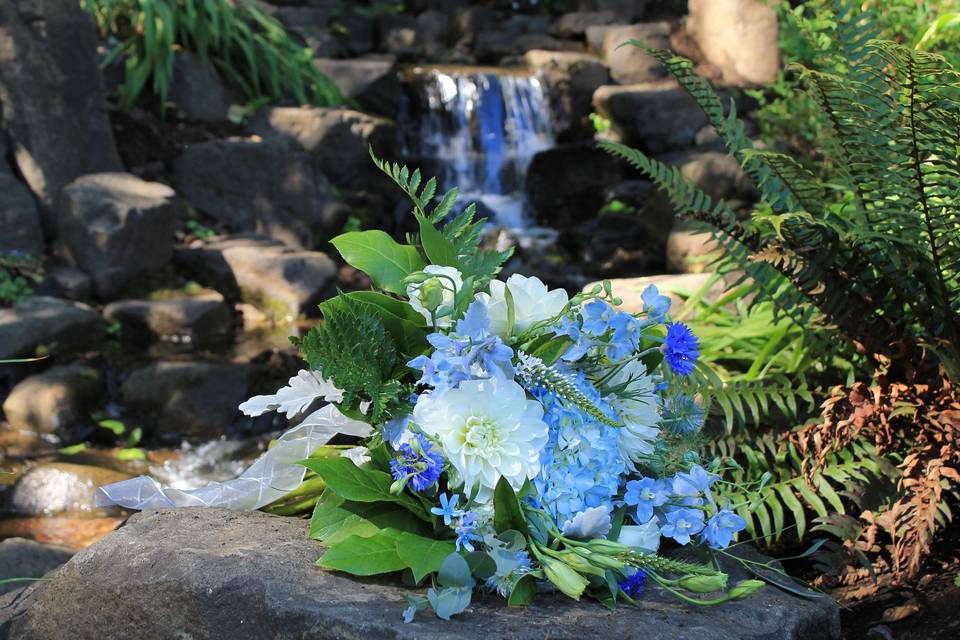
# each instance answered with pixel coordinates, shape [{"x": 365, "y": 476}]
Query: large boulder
[
  {"x": 570, "y": 79},
  {"x": 739, "y": 37},
  {"x": 370, "y": 81},
  {"x": 568, "y": 185},
  {"x": 576, "y": 23},
  {"x": 195, "y": 400},
  {"x": 654, "y": 116},
  {"x": 690, "y": 249},
  {"x": 268, "y": 186},
  {"x": 284, "y": 282},
  {"x": 54, "y": 401},
  {"x": 677, "y": 287},
  {"x": 116, "y": 227},
  {"x": 52, "y": 95},
  {"x": 623, "y": 10},
  {"x": 199, "y": 320},
  {"x": 197, "y": 90},
  {"x": 629, "y": 64},
  {"x": 338, "y": 141},
  {"x": 49, "y": 324},
  {"x": 220, "y": 574},
  {"x": 19, "y": 217},
  {"x": 24, "y": 558}
]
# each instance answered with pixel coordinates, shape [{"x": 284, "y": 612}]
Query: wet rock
[
  {"x": 60, "y": 487},
  {"x": 575, "y": 24},
  {"x": 370, "y": 81},
  {"x": 338, "y": 141},
  {"x": 355, "y": 31},
  {"x": 654, "y": 117},
  {"x": 197, "y": 90},
  {"x": 570, "y": 80},
  {"x": 433, "y": 32},
  {"x": 21, "y": 558},
  {"x": 739, "y": 37},
  {"x": 282, "y": 281},
  {"x": 61, "y": 281},
  {"x": 268, "y": 186},
  {"x": 19, "y": 217},
  {"x": 56, "y": 325},
  {"x": 632, "y": 65},
  {"x": 230, "y": 574},
  {"x": 198, "y": 320},
  {"x": 718, "y": 174},
  {"x": 54, "y": 401},
  {"x": 567, "y": 185},
  {"x": 116, "y": 227},
  {"x": 52, "y": 95},
  {"x": 310, "y": 23},
  {"x": 689, "y": 250},
  {"x": 195, "y": 400}
]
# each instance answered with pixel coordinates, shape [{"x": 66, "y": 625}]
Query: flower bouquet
[{"x": 515, "y": 439}]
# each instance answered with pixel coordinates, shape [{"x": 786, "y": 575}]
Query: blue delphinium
[
  {"x": 419, "y": 465},
  {"x": 695, "y": 482},
  {"x": 466, "y": 531},
  {"x": 599, "y": 325},
  {"x": 655, "y": 305},
  {"x": 646, "y": 494},
  {"x": 448, "y": 508},
  {"x": 720, "y": 529},
  {"x": 470, "y": 352},
  {"x": 681, "y": 414},
  {"x": 682, "y": 523},
  {"x": 633, "y": 584},
  {"x": 682, "y": 348},
  {"x": 581, "y": 464}
]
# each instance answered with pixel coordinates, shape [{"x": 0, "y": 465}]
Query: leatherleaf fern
[{"x": 861, "y": 266}]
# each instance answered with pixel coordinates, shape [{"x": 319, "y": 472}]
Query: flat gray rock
[{"x": 213, "y": 573}]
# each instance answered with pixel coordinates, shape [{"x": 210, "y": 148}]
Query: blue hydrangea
[
  {"x": 419, "y": 465},
  {"x": 581, "y": 464},
  {"x": 470, "y": 352},
  {"x": 682, "y": 414},
  {"x": 720, "y": 529},
  {"x": 633, "y": 584},
  {"x": 681, "y": 349}
]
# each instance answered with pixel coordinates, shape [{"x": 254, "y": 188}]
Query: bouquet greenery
[{"x": 520, "y": 439}]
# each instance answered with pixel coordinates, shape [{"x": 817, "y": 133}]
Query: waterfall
[{"x": 477, "y": 130}]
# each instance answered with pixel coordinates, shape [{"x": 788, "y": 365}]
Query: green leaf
[
  {"x": 365, "y": 556},
  {"x": 408, "y": 336},
  {"x": 335, "y": 519},
  {"x": 455, "y": 572},
  {"x": 507, "y": 513},
  {"x": 351, "y": 482},
  {"x": 440, "y": 250},
  {"x": 523, "y": 592},
  {"x": 422, "y": 555},
  {"x": 551, "y": 351},
  {"x": 386, "y": 261}
]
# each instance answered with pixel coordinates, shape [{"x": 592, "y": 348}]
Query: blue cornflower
[
  {"x": 694, "y": 482},
  {"x": 633, "y": 584},
  {"x": 466, "y": 532},
  {"x": 682, "y": 414},
  {"x": 448, "y": 508},
  {"x": 721, "y": 528},
  {"x": 682, "y": 523},
  {"x": 420, "y": 468},
  {"x": 645, "y": 494},
  {"x": 655, "y": 305},
  {"x": 682, "y": 348}
]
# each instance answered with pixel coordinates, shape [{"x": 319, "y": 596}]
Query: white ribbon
[{"x": 272, "y": 476}]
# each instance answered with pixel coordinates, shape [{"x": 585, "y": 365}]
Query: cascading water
[{"x": 478, "y": 130}]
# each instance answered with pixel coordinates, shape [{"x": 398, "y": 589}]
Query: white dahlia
[
  {"x": 532, "y": 303},
  {"x": 635, "y": 401},
  {"x": 487, "y": 429}
]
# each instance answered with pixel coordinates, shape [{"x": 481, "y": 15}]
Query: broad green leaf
[
  {"x": 440, "y": 250},
  {"x": 386, "y": 261},
  {"x": 523, "y": 592},
  {"x": 551, "y": 351},
  {"x": 507, "y": 513},
  {"x": 422, "y": 555},
  {"x": 335, "y": 519},
  {"x": 351, "y": 482},
  {"x": 365, "y": 556}
]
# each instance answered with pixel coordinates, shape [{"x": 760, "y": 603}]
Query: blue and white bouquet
[{"x": 516, "y": 439}]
